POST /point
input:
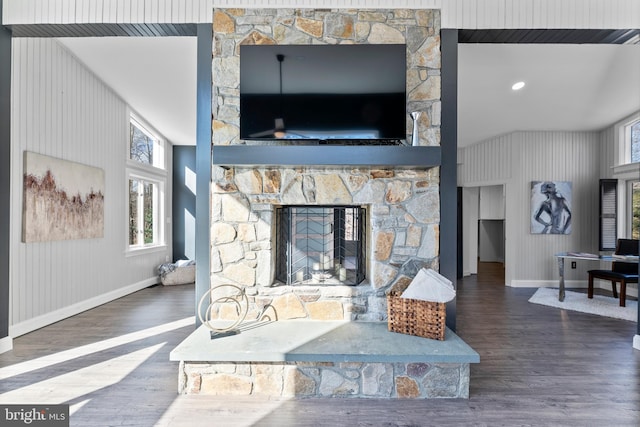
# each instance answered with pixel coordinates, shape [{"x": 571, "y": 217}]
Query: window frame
[
  {"x": 626, "y": 172},
  {"x": 628, "y": 137},
  {"x": 155, "y": 174},
  {"x": 158, "y": 145},
  {"x": 623, "y": 142}
]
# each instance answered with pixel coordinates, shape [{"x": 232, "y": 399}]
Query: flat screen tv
[{"x": 323, "y": 92}]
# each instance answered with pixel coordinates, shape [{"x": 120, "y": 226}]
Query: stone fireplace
[
  {"x": 350, "y": 353},
  {"x": 402, "y": 205}
]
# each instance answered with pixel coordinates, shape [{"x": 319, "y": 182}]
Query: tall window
[
  {"x": 146, "y": 179},
  {"x": 627, "y": 172},
  {"x": 632, "y": 135}
]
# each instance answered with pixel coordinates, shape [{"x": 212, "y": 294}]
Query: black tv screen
[{"x": 323, "y": 92}]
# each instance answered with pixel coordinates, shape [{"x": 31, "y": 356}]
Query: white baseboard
[
  {"x": 636, "y": 342},
  {"x": 6, "y": 344},
  {"x": 547, "y": 284},
  {"x": 632, "y": 290},
  {"x": 41, "y": 321}
]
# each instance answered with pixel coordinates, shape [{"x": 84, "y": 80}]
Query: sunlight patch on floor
[
  {"x": 81, "y": 382},
  {"x": 75, "y": 407},
  {"x": 73, "y": 353}
]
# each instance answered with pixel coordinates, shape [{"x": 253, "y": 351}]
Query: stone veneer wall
[
  {"x": 403, "y": 205},
  {"x": 328, "y": 379}
]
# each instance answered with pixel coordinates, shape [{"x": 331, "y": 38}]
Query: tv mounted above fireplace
[{"x": 323, "y": 92}]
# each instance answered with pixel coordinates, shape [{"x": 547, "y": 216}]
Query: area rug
[{"x": 576, "y": 301}]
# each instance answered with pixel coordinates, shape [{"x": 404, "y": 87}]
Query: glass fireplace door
[{"x": 320, "y": 245}]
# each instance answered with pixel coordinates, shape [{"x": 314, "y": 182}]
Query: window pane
[
  {"x": 608, "y": 214},
  {"x": 142, "y": 200},
  {"x": 635, "y": 203},
  {"x": 133, "y": 212},
  {"x": 635, "y": 142},
  {"x": 141, "y": 146},
  {"x": 148, "y": 213}
]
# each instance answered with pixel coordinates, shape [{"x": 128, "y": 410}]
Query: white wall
[
  {"x": 519, "y": 158},
  {"x": 61, "y": 109},
  {"x": 491, "y": 225},
  {"x": 491, "y": 240},
  {"x": 470, "y": 217},
  {"x": 492, "y": 202}
]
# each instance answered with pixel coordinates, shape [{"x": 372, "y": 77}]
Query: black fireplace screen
[{"x": 320, "y": 245}]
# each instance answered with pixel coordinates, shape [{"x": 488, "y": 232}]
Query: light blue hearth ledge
[{"x": 321, "y": 341}]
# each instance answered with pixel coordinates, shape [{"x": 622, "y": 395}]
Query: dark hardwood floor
[{"x": 540, "y": 366}]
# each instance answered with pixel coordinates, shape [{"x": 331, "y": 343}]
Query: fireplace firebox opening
[{"x": 320, "y": 245}]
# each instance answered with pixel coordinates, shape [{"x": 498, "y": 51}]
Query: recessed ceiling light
[{"x": 517, "y": 86}]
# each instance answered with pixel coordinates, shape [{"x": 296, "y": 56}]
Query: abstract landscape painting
[{"x": 63, "y": 200}]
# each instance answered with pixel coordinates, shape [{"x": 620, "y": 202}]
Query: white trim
[
  {"x": 147, "y": 170},
  {"x": 144, "y": 250},
  {"x": 6, "y": 344},
  {"x": 627, "y": 172},
  {"x": 490, "y": 183},
  {"x": 63, "y": 313},
  {"x": 547, "y": 284},
  {"x": 636, "y": 342}
]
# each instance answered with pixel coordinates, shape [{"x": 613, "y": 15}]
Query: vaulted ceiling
[{"x": 569, "y": 86}]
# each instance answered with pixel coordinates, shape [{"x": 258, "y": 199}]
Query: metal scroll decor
[{"x": 235, "y": 295}]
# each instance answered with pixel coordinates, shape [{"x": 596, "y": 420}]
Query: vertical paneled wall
[
  {"x": 517, "y": 159},
  {"x": 476, "y": 159},
  {"x": 106, "y": 11},
  {"x": 479, "y": 14},
  {"x": 470, "y": 14},
  {"x": 62, "y": 110},
  {"x": 607, "y": 152},
  {"x": 553, "y": 156}
]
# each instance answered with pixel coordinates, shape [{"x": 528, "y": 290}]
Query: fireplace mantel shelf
[{"x": 326, "y": 155}]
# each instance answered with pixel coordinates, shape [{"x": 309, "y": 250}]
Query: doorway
[{"x": 483, "y": 231}]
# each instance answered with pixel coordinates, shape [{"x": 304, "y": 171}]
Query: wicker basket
[{"x": 415, "y": 317}]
